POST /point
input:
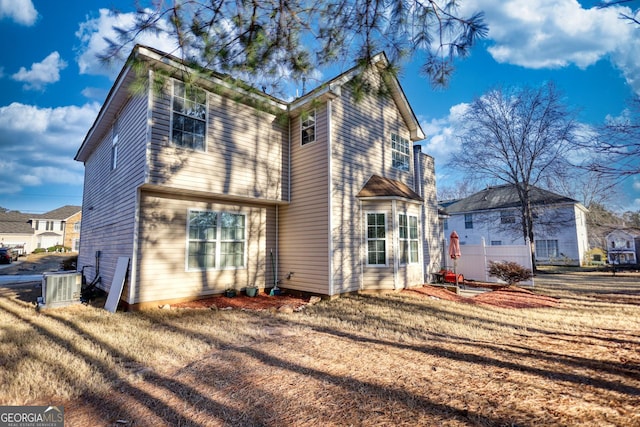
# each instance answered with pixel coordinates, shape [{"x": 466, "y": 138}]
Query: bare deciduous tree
[
  {"x": 617, "y": 145},
  {"x": 517, "y": 136}
]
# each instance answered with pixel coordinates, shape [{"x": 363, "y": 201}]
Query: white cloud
[
  {"x": 20, "y": 11},
  {"x": 559, "y": 33},
  {"x": 39, "y": 144},
  {"x": 442, "y": 140},
  {"x": 41, "y": 73},
  {"x": 93, "y": 32}
]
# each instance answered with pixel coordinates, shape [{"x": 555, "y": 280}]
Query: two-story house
[
  {"x": 207, "y": 185},
  {"x": 57, "y": 227},
  {"x": 27, "y": 232},
  {"x": 623, "y": 246},
  {"x": 493, "y": 215}
]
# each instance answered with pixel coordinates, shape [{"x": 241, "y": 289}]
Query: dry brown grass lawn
[{"x": 399, "y": 359}]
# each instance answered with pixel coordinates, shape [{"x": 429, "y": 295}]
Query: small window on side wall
[{"x": 308, "y": 127}]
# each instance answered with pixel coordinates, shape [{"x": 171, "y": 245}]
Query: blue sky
[{"x": 52, "y": 84}]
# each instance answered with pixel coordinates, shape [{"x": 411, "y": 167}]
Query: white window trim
[
  {"x": 409, "y": 239},
  {"x": 303, "y": 128},
  {"x": 367, "y": 239},
  {"x": 172, "y": 112},
  {"x": 218, "y": 241},
  {"x": 400, "y": 139}
]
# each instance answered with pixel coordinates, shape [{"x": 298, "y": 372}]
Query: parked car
[{"x": 7, "y": 255}]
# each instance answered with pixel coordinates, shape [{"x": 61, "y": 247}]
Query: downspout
[
  {"x": 362, "y": 243},
  {"x": 394, "y": 244},
  {"x": 277, "y": 242},
  {"x": 133, "y": 265},
  {"x": 418, "y": 175},
  {"x": 329, "y": 204}
]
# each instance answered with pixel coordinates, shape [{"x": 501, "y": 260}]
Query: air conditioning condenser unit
[{"x": 61, "y": 288}]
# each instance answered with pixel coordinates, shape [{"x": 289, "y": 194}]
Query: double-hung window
[
  {"x": 399, "y": 152},
  {"x": 216, "y": 240},
  {"x": 308, "y": 127},
  {"x": 546, "y": 249},
  {"x": 376, "y": 239},
  {"x": 468, "y": 221},
  {"x": 189, "y": 105},
  {"x": 507, "y": 217},
  {"x": 408, "y": 235}
]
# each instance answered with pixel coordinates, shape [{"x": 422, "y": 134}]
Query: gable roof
[
  {"x": 119, "y": 93},
  {"x": 333, "y": 87},
  {"x": 380, "y": 187},
  {"x": 503, "y": 197},
  {"x": 15, "y": 223},
  {"x": 61, "y": 213}
]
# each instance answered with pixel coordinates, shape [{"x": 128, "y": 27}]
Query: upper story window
[
  {"x": 376, "y": 239},
  {"x": 114, "y": 145},
  {"x": 468, "y": 221},
  {"x": 189, "y": 105},
  {"x": 76, "y": 227},
  {"x": 308, "y": 127},
  {"x": 507, "y": 217},
  {"x": 408, "y": 234},
  {"x": 399, "y": 152},
  {"x": 216, "y": 240}
]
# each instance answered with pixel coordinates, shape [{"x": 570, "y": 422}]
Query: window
[
  {"x": 49, "y": 226},
  {"x": 76, "y": 227},
  {"x": 399, "y": 152},
  {"x": 445, "y": 223},
  {"x": 189, "y": 116},
  {"x": 216, "y": 240},
  {"x": 507, "y": 217},
  {"x": 496, "y": 243},
  {"x": 376, "y": 239},
  {"x": 546, "y": 249},
  {"x": 408, "y": 234},
  {"x": 308, "y": 127},
  {"x": 76, "y": 245},
  {"x": 468, "y": 221},
  {"x": 114, "y": 145}
]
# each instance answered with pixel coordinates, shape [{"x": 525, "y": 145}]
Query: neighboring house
[
  {"x": 16, "y": 231},
  {"x": 27, "y": 232},
  {"x": 493, "y": 214},
  {"x": 623, "y": 246},
  {"x": 56, "y": 227},
  {"x": 212, "y": 186}
]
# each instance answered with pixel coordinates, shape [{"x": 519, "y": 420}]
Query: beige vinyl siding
[
  {"x": 163, "y": 249},
  {"x": 245, "y": 152},
  {"x": 433, "y": 244},
  {"x": 109, "y": 199},
  {"x": 304, "y": 223},
  {"x": 361, "y": 147}
]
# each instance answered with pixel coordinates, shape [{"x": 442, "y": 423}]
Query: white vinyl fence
[{"x": 474, "y": 261}]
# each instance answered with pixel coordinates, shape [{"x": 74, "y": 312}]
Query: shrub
[
  {"x": 38, "y": 250},
  {"x": 58, "y": 248},
  {"x": 509, "y": 271},
  {"x": 70, "y": 263}
]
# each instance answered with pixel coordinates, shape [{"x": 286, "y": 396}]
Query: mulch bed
[
  {"x": 513, "y": 297},
  {"x": 262, "y": 301}
]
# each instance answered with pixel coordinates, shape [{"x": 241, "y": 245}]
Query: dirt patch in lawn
[{"x": 512, "y": 297}]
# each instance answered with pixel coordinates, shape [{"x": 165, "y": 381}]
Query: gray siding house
[
  {"x": 208, "y": 186},
  {"x": 493, "y": 215}
]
